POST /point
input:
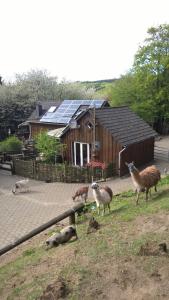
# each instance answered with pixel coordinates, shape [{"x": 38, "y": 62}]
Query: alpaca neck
[
  {"x": 97, "y": 195},
  {"x": 136, "y": 178}
]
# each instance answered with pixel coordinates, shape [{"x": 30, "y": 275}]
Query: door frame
[{"x": 81, "y": 153}]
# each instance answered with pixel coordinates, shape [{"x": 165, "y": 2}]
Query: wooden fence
[
  {"x": 59, "y": 172},
  {"x": 161, "y": 153}
]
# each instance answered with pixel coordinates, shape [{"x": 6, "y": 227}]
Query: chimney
[{"x": 39, "y": 110}]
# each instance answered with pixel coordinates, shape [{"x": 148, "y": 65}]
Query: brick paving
[{"x": 23, "y": 212}]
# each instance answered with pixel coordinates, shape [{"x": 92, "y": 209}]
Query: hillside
[
  {"x": 121, "y": 260},
  {"x": 101, "y": 87}
]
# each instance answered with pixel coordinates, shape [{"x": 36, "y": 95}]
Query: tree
[
  {"x": 151, "y": 72},
  {"x": 123, "y": 91},
  {"x": 145, "y": 88}
]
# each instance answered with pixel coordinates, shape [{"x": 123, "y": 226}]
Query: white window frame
[{"x": 81, "y": 153}]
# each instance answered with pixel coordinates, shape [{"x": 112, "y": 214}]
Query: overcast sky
[{"x": 75, "y": 39}]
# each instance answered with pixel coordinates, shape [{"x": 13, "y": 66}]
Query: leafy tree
[
  {"x": 48, "y": 146},
  {"x": 123, "y": 91},
  {"x": 146, "y": 86},
  {"x": 151, "y": 71}
]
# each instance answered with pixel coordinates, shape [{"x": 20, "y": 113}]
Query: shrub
[
  {"x": 11, "y": 144},
  {"x": 49, "y": 146}
]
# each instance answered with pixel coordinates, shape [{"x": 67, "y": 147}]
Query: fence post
[
  {"x": 34, "y": 169},
  {"x": 13, "y": 165},
  {"x": 72, "y": 219}
]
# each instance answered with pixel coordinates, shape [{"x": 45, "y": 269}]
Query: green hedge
[{"x": 11, "y": 144}]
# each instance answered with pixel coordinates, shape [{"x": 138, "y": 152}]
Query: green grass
[{"x": 114, "y": 239}]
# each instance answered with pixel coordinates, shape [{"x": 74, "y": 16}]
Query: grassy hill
[
  {"x": 102, "y": 87},
  {"x": 121, "y": 260}
]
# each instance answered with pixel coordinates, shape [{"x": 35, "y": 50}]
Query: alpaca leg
[
  {"x": 150, "y": 193},
  {"x": 138, "y": 193},
  {"x": 98, "y": 209},
  {"x": 14, "y": 190},
  {"x": 109, "y": 207},
  {"x": 147, "y": 190},
  {"x": 155, "y": 188},
  {"x": 104, "y": 208},
  {"x": 85, "y": 198}
]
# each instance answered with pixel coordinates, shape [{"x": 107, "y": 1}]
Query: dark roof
[{"x": 124, "y": 125}]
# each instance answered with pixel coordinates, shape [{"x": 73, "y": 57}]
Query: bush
[
  {"x": 49, "y": 146},
  {"x": 11, "y": 144}
]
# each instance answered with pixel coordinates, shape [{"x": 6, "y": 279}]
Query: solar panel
[{"x": 68, "y": 109}]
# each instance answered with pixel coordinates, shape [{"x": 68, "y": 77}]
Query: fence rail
[
  {"x": 161, "y": 153},
  {"x": 70, "y": 213}
]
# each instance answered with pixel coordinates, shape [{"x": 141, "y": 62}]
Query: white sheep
[
  {"x": 21, "y": 186},
  {"x": 82, "y": 193},
  {"x": 144, "y": 180},
  {"x": 102, "y": 196}
]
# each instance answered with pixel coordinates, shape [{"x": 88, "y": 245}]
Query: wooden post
[{"x": 72, "y": 219}]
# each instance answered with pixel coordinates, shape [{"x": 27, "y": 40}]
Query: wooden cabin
[
  {"x": 93, "y": 131},
  {"x": 109, "y": 135}
]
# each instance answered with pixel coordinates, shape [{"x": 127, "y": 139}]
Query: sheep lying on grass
[
  {"x": 102, "y": 196},
  {"x": 62, "y": 237},
  {"x": 21, "y": 186},
  {"x": 145, "y": 179},
  {"x": 82, "y": 193}
]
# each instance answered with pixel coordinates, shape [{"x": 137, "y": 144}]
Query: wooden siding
[
  {"x": 108, "y": 146},
  {"x": 82, "y": 134},
  {"x": 141, "y": 153},
  {"x": 36, "y": 128}
]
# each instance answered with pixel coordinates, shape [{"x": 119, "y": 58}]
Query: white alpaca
[
  {"x": 21, "y": 186},
  {"x": 102, "y": 196}
]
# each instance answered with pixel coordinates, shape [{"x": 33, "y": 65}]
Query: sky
[{"x": 76, "y": 40}]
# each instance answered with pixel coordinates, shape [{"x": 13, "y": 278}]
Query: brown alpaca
[
  {"x": 145, "y": 179},
  {"x": 82, "y": 193}
]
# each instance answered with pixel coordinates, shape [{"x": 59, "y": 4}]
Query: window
[{"x": 81, "y": 153}]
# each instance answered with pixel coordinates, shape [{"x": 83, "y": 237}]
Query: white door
[{"x": 81, "y": 154}]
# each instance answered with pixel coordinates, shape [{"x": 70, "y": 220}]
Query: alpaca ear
[
  {"x": 126, "y": 163},
  {"x": 133, "y": 162}
]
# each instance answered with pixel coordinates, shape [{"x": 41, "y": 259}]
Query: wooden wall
[
  {"x": 109, "y": 149},
  {"x": 82, "y": 134},
  {"x": 36, "y": 128},
  {"x": 141, "y": 153}
]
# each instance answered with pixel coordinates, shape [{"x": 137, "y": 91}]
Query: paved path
[{"x": 19, "y": 214}]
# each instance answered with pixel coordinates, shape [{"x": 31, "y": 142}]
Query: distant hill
[
  {"x": 98, "y": 85},
  {"x": 101, "y": 81}
]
